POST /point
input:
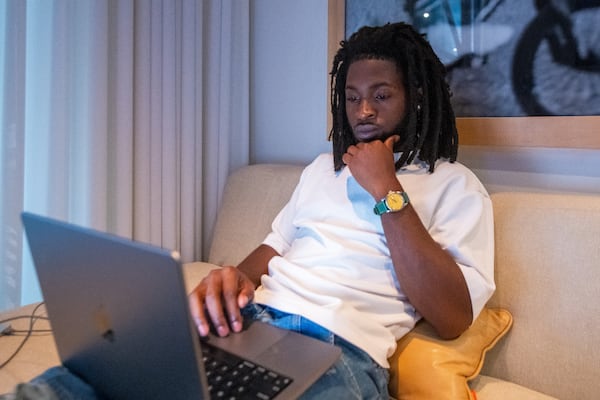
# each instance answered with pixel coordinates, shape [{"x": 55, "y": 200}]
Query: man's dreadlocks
[{"x": 429, "y": 129}]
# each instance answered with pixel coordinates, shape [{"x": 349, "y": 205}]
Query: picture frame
[{"x": 576, "y": 132}]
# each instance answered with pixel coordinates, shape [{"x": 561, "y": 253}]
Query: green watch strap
[
  {"x": 394, "y": 201},
  {"x": 381, "y": 207}
]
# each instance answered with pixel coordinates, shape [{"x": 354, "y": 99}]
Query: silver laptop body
[{"x": 121, "y": 321}]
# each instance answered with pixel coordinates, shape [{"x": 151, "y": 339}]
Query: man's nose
[{"x": 366, "y": 110}]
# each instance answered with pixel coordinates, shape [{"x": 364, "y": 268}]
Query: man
[{"x": 382, "y": 232}]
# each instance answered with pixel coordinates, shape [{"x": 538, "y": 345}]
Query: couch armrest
[{"x": 194, "y": 272}]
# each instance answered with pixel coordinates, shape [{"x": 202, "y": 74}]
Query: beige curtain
[{"x": 121, "y": 115}]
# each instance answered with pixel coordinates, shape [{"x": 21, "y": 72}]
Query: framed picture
[{"x": 522, "y": 73}]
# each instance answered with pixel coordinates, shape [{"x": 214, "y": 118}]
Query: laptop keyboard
[{"x": 232, "y": 377}]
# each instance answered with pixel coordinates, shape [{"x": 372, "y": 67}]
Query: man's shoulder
[
  {"x": 322, "y": 163},
  {"x": 458, "y": 177},
  {"x": 446, "y": 167},
  {"x": 448, "y": 175},
  {"x": 324, "y": 158},
  {"x": 442, "y": 167}
]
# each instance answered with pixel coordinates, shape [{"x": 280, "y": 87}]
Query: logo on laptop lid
[{"x": 102, "y": 322}]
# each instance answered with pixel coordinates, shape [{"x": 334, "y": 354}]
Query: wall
[
  {"x": 539, "y": 169},
  {"x": 290, "y": 105}
]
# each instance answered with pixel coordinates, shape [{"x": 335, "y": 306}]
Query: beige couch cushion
[
  {"x": 548, "y": 276},
  {"x": 488, "y": 388},
  {"x": 194, "y": 272}
]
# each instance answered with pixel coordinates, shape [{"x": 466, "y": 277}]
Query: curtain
[{"x": 122, "y": 115}]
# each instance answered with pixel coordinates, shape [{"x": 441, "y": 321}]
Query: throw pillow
[{"x": 426, "y": 367}]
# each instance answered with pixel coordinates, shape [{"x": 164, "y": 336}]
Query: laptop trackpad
[
  {"x": 255, "y": 339},
  {"x": 286, "y": 352}
]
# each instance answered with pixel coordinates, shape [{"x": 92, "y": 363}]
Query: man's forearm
[
  {"x": 257, "y": 263},
  {"x": 429, "y": 276}
]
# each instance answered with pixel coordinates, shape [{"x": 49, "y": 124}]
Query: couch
[
  {"x": 537, "y": 339},
  {"x": 547, "y": 277}
]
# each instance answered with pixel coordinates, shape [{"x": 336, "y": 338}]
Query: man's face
[{"x": 375, "y": 99}]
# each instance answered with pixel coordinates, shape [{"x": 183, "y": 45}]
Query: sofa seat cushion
[
  {"x": 489, "y": 388},
  {"x": 194, "y": 272}
]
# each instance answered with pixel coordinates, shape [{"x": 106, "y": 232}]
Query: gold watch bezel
[{"x": 393, "y": 201}]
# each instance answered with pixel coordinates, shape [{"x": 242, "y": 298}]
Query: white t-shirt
[{"x": 335, "y": 267}]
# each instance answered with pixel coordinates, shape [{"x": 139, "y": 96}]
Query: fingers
[
  {"x": 220, "y": 296},
  {"x": 231, "y": 288},
  {"x": 246, "y": 294},
  {"x": 350, "y": 153},
  {"x": 391, "y": 141},
  {"x": 346, "y": 158},
  {"x": 196, "y": 303},
  {"x": 213, "y": 303},
  {"x": 367, "y": 151}
]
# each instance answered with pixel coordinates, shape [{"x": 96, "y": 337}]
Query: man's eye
[{"x": 382, "y": 96}]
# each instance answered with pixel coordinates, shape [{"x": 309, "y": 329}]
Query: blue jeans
[
  {"x": 354, "y": 376},
  {"x": 56, "y": 383}
]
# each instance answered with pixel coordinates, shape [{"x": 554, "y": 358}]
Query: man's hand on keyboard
[{"x": 222, "y": 293}]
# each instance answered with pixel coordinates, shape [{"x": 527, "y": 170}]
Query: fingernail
[
  {"x": 202, "y": 328},
  {"x": 222, "y": 331},
  {"x": 236, "y": 325}
]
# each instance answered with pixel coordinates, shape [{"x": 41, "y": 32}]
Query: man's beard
[{"x": 399, "y": 130}]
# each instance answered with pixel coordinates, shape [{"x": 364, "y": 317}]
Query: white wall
[
  {"x": 290, "y": 106},
  {"x": 288, "y": 80},
  {"x": 539, "y": 169}
]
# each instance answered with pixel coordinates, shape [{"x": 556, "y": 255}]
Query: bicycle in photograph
[{"x": 556, "y": 64}]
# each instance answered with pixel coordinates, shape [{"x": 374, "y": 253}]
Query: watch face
[{"x": 394, "y": 201}]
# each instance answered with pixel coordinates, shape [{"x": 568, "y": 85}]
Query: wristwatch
[{"x": 394, "y": 201}]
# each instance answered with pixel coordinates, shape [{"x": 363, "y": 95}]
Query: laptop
[{"x": 121, "y": 322}]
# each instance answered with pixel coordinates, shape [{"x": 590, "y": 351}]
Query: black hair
[{"x": 429, "y": 126}]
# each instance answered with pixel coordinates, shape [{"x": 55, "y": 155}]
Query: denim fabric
[
  {"x": 30, "y": 391},
  {"x": 64, "y": 385},
  {"x": 354, "y": 376}
]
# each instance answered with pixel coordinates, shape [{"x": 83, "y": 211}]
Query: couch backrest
[
  {"x": 548, "y": 276},
  {"x": 252, "y": 197}
]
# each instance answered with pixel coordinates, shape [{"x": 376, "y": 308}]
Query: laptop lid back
[{"x": 119, "y": 311}]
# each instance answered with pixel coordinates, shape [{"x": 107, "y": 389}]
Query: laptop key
[{"x": 231, "y": 377}]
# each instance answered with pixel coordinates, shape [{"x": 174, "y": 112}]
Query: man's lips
[{"x": 366, "y": 131}]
